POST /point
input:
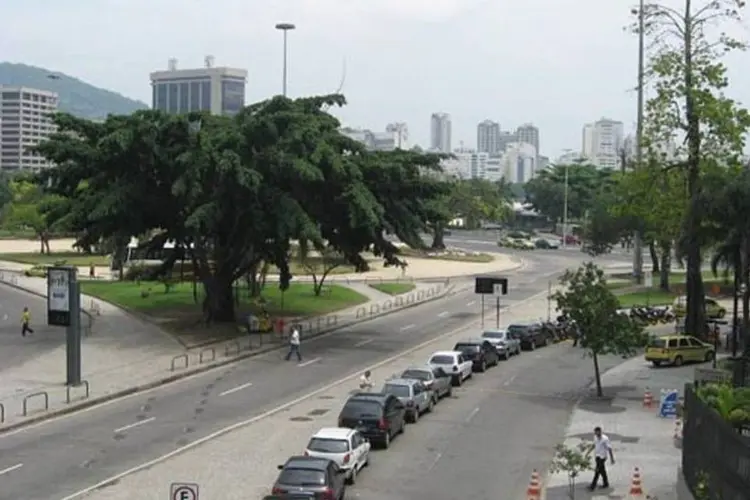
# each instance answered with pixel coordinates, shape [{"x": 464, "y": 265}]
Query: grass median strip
[
  {"x": 393, "y": 288},
  {"x": 653, "y": 297},
  {"x": 60, "y": 258}
]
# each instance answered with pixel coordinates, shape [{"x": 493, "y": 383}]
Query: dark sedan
[
  {"x": 319, "y": 478},
  {"x": 481, "y": 352},
  {"x": 531, "y": 335}
]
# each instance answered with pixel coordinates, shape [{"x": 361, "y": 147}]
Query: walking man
[
  {"x": 25, "y": 320},
  {"x": 602, "y": 450},
  {"x": 294, "y": 345}
]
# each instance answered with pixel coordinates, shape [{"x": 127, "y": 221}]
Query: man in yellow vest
[{"x": 25, "y": 320}]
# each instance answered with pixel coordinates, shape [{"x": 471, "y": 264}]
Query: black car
[
  {"x": 378, "y": 416},
  {"x": 318, "y": 478},
  {"x": 531, "y": 336},
  {"x": 481, "y": 352}
]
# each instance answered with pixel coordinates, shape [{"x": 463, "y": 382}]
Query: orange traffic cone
[
  {"x": 677, "y": 429},
  {"x": 534, "y": 491},
  {"x": 648, "y": 399},
  {"x": 636, "y": 489}
]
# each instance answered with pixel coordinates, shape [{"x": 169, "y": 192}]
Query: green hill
[{"x": 76, "y": 97}]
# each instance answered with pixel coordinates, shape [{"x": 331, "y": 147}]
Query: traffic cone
[
  {"x": 534, "y": 491},
  {"x": 636, "y": 489},
  {"x": 677, "y": 429},
  {"x": 648, "y": 399}
]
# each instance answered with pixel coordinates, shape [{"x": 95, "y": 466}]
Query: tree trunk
[
  {"x": 745, "y": 259},
  {"x": 438, "y": 235},
  {"x": 666, "y": 265},
  {"x": 654, "y": 257},
  {"x": 219, "y": 301},
  {"x": 735, "y": 305},
  {"x": 598, "y": 376}
]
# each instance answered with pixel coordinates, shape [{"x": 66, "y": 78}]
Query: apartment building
[{"x": 25, "y": 121}]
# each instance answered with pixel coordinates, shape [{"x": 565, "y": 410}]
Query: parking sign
[{"x": 183, "y": 491}]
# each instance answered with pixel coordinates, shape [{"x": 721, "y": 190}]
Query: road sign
[
  {"x": 183, "y": 491},
  {"x": 668, "y": 404}
]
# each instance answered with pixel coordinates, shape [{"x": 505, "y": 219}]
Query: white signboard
[
  {"x": 183, "y": 491},
  {"x": 649, "y": 281},
  {"x": 58, "y": 290}
]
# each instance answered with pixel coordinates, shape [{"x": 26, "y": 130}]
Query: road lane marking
[
  {"x": 469, "y": 304},
  {"x": 235, "y": 389},
  {"x": 133, "y": 425},
  {"x": 11, "y": 469},
  {"x": 443, "y": 314},
  {"x": 363, "y": 342},
  {"x": 407, "y": 327},
  {"x": 308, "y": 363},
  {"x": 435, "y": 461},
  {"x": 509, "y": 381},
  {"x": 472, "y": 414},
  {"x": 273, "y": 411}
]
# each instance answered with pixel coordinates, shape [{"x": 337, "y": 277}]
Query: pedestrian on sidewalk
[
  {"x": 294, "y": 345},
  {"x": 365, "y": 381},
  {"x": 602, "y": 450},
  {"x": 25, "y": 320}
]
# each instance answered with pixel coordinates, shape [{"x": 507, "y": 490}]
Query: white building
[
  {"x": 519, "y": 162},
  {"x": 26, "y": 120},
  {"x": 529, "y": 134},
  {"x": 602, "y": 142},
  {"x": 440, "y": 132},
  {"x": 220, "y": 90},
  {"x": 466, "y": 165},
  {"x": 488, "y": 137},
  {"x": 396, "y": 136}
]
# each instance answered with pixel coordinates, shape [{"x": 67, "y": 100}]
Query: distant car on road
[
  {"x": 435, "y": 379},
  {"x": 714, "y": 310},
  {"x": 347, "y": 447},
  {"x": 531, "y": 336},
  {"x": 481, "y": 352},
  {"x": 417, "y": 398},
  {"x": 454, "y": 363},
  {"x": 379, "y": 417},
  {"x": 505, "y": 344},
  {"x": 316, "y": 477},
  {"x": 547, "y": 244}
]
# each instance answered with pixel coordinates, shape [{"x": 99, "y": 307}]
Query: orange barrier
[
  {"x": 677, "y": 429},
  {"x": 648, "y": 399},
  {"x": 534, "y": 491},
  {"x": 636, "y": 489}
]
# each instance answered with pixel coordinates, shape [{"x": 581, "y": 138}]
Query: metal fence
[
  {"x": 741, "y": 371},
  {"x": 715, "y": 457}
]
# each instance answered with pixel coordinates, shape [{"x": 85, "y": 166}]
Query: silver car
[
  {"x": 413, "y": 394},
  {"x": 435, "y": 379},
  {"x": 506, "y": 345}
]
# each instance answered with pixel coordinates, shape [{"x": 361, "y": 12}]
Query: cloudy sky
[{"x": 555, "y": 63}]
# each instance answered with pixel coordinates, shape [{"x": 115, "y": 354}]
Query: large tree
[{"x": 689, "y": 106}]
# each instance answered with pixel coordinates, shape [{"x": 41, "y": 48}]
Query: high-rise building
[
  {"x": 488, "y": 137},
  {"x": 26, "y": 116},
  {"x": 529, "y": 134},
  {"x": 440, "y": 132},
  {"x": 519, "y": 162},
  {"x": 602, "y": 142},
  {"x": 220, "y": 90}
]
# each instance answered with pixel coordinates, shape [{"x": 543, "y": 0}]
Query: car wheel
[
  {"x": 459, "y": 380},
  {"x": 532, "y": 345},
  {"x": 387, "y": 441},
  {"x": 678, "y": 361},
  {"x": 415, "y": 416},
  {"x": 656, "y": 363},
  {"x": 449, "y": 393},
  {"x": 709, "y": 356},
  {"x": 353, "y": 476},
  {"x": 722, "y": 313},
  {"x": 430, "y": 406},
  {"x": 483, "y": 366}
]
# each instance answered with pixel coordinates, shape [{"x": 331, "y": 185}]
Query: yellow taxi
[
  {"x": 678, "y": 349},
  {"x": 713, "y": 308}
]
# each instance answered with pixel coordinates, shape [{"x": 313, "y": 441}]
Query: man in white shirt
[
  {"x": 365, "y": 382},
  {"x": 602, "y": 450},
  {"x": 294, "y": 345}
]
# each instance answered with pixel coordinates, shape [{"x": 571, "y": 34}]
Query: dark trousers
[
  {"x": 600, "y": 469},
  {"x": 25, "y": 328},
  {"x": 293, "y": 349}
]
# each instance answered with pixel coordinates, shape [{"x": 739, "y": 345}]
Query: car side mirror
[{"x": 280, "y": 467}]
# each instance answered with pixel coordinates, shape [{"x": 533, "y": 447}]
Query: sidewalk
[
  {"x": 122, "y": 354},
  {"x": 639, "y": 437}
]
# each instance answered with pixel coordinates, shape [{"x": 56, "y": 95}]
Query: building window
[
  {"x": 11, "y": 95},
  {"x": 161, "y": 97},
  {"x": 184, "y": 97},
  {"x": 206, "y": 96},
  {"x": 232, "y": 96},
  {"x": 195, "y": 96},
  {"x": 174, "y": 96}
]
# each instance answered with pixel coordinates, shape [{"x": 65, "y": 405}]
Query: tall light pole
[
  {"x": 285, "y": 27},
  {"x": 637, "y": 243},
  {"x": 565, "y": 209}
]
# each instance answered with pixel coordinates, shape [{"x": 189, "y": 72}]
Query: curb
[{"x": 88, "y": 403}]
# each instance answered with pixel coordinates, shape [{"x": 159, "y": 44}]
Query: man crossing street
[{"x": 294, "y": 343}]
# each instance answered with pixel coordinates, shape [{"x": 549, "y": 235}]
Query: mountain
[{"x": 76, "y": 97}]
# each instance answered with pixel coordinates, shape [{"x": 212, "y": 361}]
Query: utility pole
[{"x": 637, "y": 243}]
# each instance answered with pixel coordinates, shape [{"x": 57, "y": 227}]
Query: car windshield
[
  {"x": 441, "y": 359},
  {"x": 517, "y": 329},
  {"x": 493, "y": 335},
  {"x": 302, "y": 477},
  {"x": 398, "y": 390},
  {"x": 657, "y": 342},
  {"x": 325, "y": 445},
  {"x": 417, "y": 374},
  {"x": 361, "y": 409},
  {"x": 466, "y": 347}
]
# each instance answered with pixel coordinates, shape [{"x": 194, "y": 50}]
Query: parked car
[
  {"x": 378, "y": 417},
  {"x": 319, "y": 478},
  {"x": 531, "y": 336},
  {"x": 347, "y": 447},
  {"x": 452, "y": 362},
  {"x": 547, "y": 244},
  {"x": 506, "y": 345},
  {"x": 435, "y": 379},
  {"x": 713, "y": 309},
  {"x": 678, "y": 349},
  {"x": 413, "y": 394},
  {"x": 481, "y": 352}
]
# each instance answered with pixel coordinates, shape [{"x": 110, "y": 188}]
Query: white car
[
  {"x": 347, "y": 447},
  {"x": 453, "y": 362},
  {"x": 505, "y": 344}
]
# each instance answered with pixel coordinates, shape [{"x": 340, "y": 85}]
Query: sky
[{"x": 555, "y": 63}]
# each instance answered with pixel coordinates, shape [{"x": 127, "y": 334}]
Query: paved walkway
[{"x": 640, "y": 438}]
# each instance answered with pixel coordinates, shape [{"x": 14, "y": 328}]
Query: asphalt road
[{"x": 61, "y": 456}]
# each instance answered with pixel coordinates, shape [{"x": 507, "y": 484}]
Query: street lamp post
[
  {"x": 565, "y": 209},
  {"x": 285, "y": 27},
  {"x": 637, "y": 242}
]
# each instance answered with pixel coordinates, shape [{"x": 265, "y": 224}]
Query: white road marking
[
  {"x": 363, "y": 342},
  {"x": 308, "y": 363},
  {"x": 443, "y": 314},
  {"x": 235, "y": 389},
  {"x": 136, "y": 424},
  {"x": 509, "y": 381},
  {"x": 273, "y": 411},
  {"x": 472, "y": 414},
  {"x": 469, "y": 304},
  {"x": 407, "y": 327},
  {"x": 435, "y": 461},
  {"x": 11, "y": 469}
]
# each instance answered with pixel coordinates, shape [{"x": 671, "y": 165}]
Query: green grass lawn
[
  {"x": 617, "y": 284},
  {"x": 395, "y": 288},
  {"x": 150, "y": 298},
  {"x": 678, "y": 277},
  {"x": 653, "y": 297},
  {"x": 421, "y": 254},
  {"x": 69, "y": 258}
]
